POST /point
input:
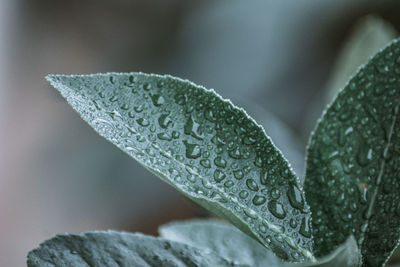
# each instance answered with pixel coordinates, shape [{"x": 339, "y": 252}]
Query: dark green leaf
[
  {"x": 221, "y": 238},
  {"x": 119, "y": 249},
  {"x": 353, "y": 163},
  {"x": 204, "y": 146}
]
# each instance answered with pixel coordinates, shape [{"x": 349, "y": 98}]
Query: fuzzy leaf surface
[
  {"x": 110, "y": 248},
  {"x": 221, "y": 238},
  {"x": 204, "y": 146},
  {"x": 233, "y": 245},
  {"x": 353, "y": 164}
]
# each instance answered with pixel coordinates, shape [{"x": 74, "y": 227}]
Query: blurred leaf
[
  {"x": 353, "y": 163},
  {"x": 346, "y": 255},
  {"x": 221, "y": 238},
  {"x": 112, "y": 248},
  {"x": 204, "y": 146},
  {"x": 368, "y": 37}
]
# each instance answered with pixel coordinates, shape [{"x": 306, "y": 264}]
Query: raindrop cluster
[
  {"x": 203, "y": 145},
  {"x": 353, "y": 166}
]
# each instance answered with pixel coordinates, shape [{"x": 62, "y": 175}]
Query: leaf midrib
[
  {"x": 380, "y": 175},
  {"x": 308, "y": 254}
]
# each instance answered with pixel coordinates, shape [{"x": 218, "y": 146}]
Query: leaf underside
[
  {"x": 231, "y": 244},
  {"x": 204, "y": 146},
  {"x": 221, "y": 238},
  {"x": 110, "y": 248},
  {"x": 352, "y": 176}
]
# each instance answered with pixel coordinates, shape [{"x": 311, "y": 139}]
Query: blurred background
[{"x": 277, "y": 59}]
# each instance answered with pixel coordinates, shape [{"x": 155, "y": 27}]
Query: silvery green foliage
[
  {"x": 233, "y": 245},
  {"x": 216, "y": 155},
  {"x": 190, "y": 243},
  {"x": 110, "y": 248},
  {"x": 221, "y": 238},
  {"x": 204, "y": 146}
]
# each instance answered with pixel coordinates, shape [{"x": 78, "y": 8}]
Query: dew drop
[
  {"x": 258, "y": 161},
  {"x": 207, "y": 184},
  {"x": 262, "y": 229},
  {"x": 219, "y": 175},
  {"x": 252, "y": 185},
  {"x": 243, "y": 194},
  {"x": 264, "y": 177},
  {"x": 192, "y": 170},
  {"x": 191, "y": 178},
  {"x": 146, "y": 86},
  {"x": 305, "y": 229},
  {"x": 386, "y": 153},
  {"x": 150, "y": 152},
  {"x": 157, "y": 99},
  {"x": 235, "y": 153},
  {"x": 132, "y": 79},
  {"x": 293, "y": 223},
  {"x": 143, "y": 122},
  {"x": 209, "y": 115},
  {"x": 164, "y": 136},
  {"x": 228, "y": 184},
  {"x": 217, "y": 140},
  {"x": 175, "y": 134},
  {"x": 205, "y": 163},
  {"x": 328, "y": 153},
  {"x": 277, "y": 209},
  {"x": 364, "y": 193},
  {"x": 295, "y": 197},
  {"x": 193, "y": 128},
  {"x": 249, "y": 140},
  {"x": 160, "y": 84},
  {"x": 275, "y": 193},
  {"x": 193, "y": 151},
  {"x": 238, "y": 174},
  {"x": 138, "y": 108},
  {"x": 112, "y": 80},
  {"x": 364, "y": 155},
  {"x": 220, "y": 162},
  {"x": 250, "y": 213},
  {"x": 259, "y": 200},
  {"x": 124, "y": 106},
  {"x": 114, "y": 98},
  {"x": 164, "y": 121},
  {"x": 364, "y": 227}
]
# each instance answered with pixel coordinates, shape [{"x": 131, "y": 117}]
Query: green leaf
[
  {"x": 110, "y": 248},
  {"x": 283, "y": 136},
  {"x": 204, "y": 146},
  {"x": 221, "y": 238},
  {"x": 346, "y": 255},
  {"x": 233, "y": 245},
  {"x": 367, "y": 38},
  {"x": 353, "y": 163}
]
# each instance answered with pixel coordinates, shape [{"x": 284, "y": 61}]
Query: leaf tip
[{"x": 50, "y": 77}]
